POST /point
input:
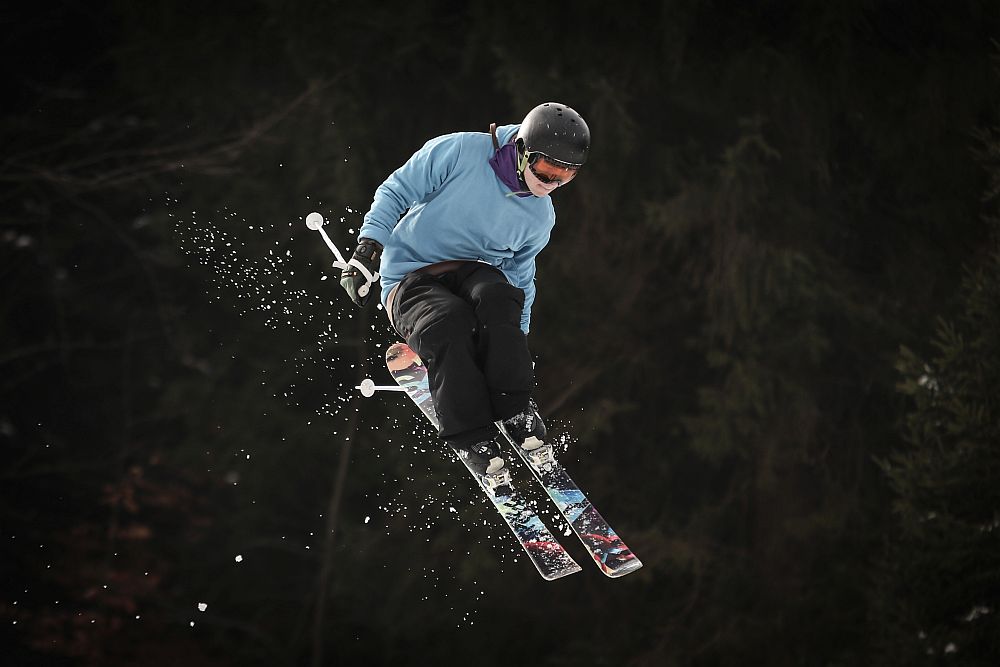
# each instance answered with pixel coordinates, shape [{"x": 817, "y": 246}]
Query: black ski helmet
[{"x": 556, "y": 131}]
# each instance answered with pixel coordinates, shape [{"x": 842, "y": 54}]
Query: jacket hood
[{"x": 506, "y": 133}]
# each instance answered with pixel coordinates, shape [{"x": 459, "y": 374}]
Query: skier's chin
[{"x": 539, "y": 191}]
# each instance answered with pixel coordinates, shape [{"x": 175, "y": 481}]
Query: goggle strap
[{"x": 522, "y": 162}]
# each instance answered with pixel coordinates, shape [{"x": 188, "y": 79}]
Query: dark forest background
[{"x": 767, "y": 334}]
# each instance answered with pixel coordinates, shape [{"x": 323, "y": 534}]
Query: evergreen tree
[{"x": 939, "y": 592}]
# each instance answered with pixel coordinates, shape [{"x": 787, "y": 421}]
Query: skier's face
[{"x": 536, "y": 186}]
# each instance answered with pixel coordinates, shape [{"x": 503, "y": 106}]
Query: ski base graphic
[
  {"x": 609, "y": 552},
  {"x": 543, "y": 549}
]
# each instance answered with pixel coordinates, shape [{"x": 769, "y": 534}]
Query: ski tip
[
  {"x": 559, "y": 574},
  {"x": 399, "y": 357},
  {"x": 628, "y": 567},
  {"x": 394, "y": 351}
]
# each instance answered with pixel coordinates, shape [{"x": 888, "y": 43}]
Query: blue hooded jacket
[{"x": 456, "y": 207}]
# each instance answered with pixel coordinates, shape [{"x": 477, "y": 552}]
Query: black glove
[{"x": 354, "y": 281}]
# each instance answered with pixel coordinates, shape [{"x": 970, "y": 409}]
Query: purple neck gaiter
[{"x": 504, "y": 163}]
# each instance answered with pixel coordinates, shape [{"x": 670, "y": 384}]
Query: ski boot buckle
[
  {"x": 496, "y": 475},
  {"x": 540, "y": 455}
]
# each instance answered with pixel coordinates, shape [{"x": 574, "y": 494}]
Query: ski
[
  {"x": 543, "y": 549},
  {"x": 608, "y": 550}
]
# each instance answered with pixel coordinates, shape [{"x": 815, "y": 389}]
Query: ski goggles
[{"x": 548, "y": 170}]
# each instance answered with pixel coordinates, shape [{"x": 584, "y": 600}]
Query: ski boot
[
  {"x": 484, "y": 460},
  {"x": 496, "y": 479},
  {"x": 527, "y": 431}
]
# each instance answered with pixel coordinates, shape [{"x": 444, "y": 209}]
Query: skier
[{"x": 454, "y": 233}]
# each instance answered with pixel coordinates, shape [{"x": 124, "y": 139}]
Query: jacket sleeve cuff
[{"x": 375, "y": 233}]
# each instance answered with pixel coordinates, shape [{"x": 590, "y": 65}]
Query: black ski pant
[{"x": 466, "y": 326}]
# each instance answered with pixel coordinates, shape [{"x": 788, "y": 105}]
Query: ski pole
[
  {"x": 368, "y": 388},
  {"x": 314, "y": 221}
]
